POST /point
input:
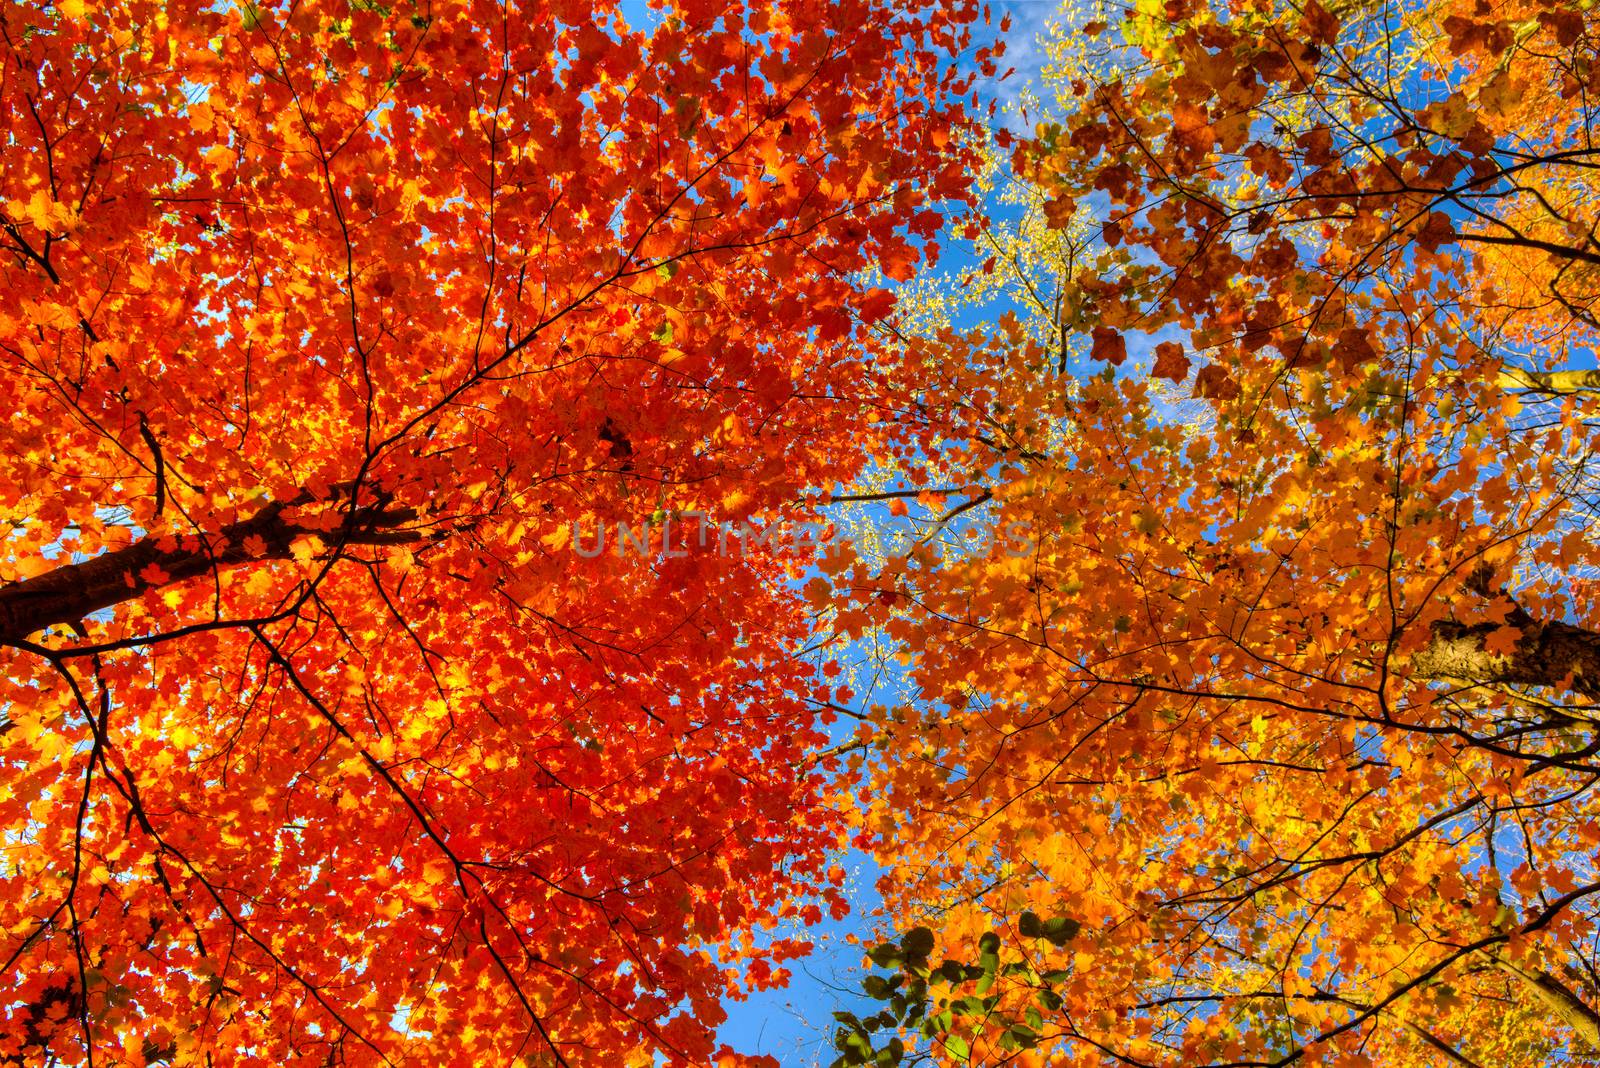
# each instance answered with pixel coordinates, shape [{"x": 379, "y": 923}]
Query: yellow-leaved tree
[{"x": 1275, "y": 740}]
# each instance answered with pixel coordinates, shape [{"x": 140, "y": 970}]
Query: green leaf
[
  {"x": 989, "y": 952},
  {"x": 1061, "y": 930},
  {"x": 917, "y": 943},
  {"x": 1028, "y": 924},
  {"x": 1026, "y": 1036},
  {"x": 972, "y": 1005},
  {"x": 665, "y": 271},
  {"x": 885, "y": 956},
  {"x": 957, "y": 1047}
]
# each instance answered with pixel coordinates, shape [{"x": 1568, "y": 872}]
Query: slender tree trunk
[{"x": 1559, "y": 999}]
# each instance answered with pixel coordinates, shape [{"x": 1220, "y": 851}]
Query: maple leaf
[
  {"x": 1109, "y": 345},
  {"x": 1503, "y": 641},
  {"x": 1437, "y": 231},
  {"x": 899, "y": 262},
  {"x": 1171, "y": 362},
  {"x": 153, "y": 575},
  {"x": 1059, "y": 211},
  {"x": 1213, "y": 381}
]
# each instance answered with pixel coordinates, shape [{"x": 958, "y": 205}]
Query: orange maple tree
[
  {"x": 1277, "y": 742},
  {"x": 327, "y": 327}
]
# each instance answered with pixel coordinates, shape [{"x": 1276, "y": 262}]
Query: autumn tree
[
  {"x": 1283, "y": 717},
  {"x": 327, "y": 328}
]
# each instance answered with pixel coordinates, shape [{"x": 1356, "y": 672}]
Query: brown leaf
[
  {"x": 1215, "y": 383},
  {"x": 1171, "y": 362},
  {"x": 1108, "y": 345}
]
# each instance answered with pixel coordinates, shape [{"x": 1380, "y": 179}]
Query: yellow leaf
[{"x": 306, "y": 548}]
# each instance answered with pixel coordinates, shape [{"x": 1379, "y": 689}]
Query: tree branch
[
  {"x": 1453, "y": 1055},
  {"x": 1557, "y": 383},
  {"x": 66, "y": 594}
]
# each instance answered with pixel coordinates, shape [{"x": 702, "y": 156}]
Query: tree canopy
[
  {"x": 1289, "y": 712},
  {"x": 407, "y": 659}
]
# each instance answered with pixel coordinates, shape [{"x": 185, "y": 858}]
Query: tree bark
[
  {"x": 1559, "y": 999},
  {"x": 1547, "y": 654}
]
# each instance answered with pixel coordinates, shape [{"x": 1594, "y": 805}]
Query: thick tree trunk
[
  {"x": 1547, "y": 654},
  {"x": 66, "y": 594}
]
